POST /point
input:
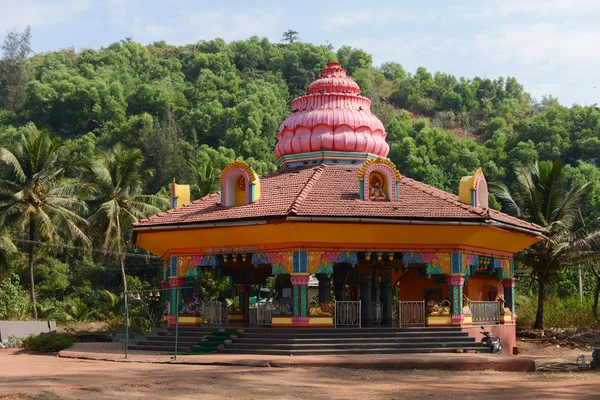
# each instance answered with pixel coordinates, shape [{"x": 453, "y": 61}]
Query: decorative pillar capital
[
  {"x": 509, "y": 283},
  {"x": 458, "y": 318},
  {"x": 300, "y": 280},
  {"x": 455, "y": 280},
  {"x": 175, "y": 281}
]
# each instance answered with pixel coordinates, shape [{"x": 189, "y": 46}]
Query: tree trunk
[
  {"x": 596, "y": 292},
  {"x": 539, "y": 317},
  {"x": 31, "y": 280}
]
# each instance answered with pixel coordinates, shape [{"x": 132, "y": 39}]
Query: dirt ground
[{"x": 27, "y": 376}]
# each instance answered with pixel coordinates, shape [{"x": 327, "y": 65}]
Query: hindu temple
[{"x": 387, "y": 251}]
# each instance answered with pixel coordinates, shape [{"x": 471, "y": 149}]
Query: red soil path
[{"x": 25, "y": 376}]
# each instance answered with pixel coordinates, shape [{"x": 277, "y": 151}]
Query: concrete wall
[
  {"x": 22, "y": 329},
  {"x": 478, "y": 288},
  {"x": 413, "y": 288},
  {"x": 507, "y": 334}
]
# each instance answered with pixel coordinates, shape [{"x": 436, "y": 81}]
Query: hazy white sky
[{"x": 551, "y": 47}]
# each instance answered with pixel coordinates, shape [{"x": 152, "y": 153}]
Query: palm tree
[
  {"x": 35, "y": 198},
  {"x": 117, "y": 186},
  {"x": 543, "y": 195},
  {"x": 207, "y": 178}
]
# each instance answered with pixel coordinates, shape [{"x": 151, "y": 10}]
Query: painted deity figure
[{"x": 376, "y": 190}]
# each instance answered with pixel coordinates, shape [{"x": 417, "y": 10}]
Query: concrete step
[
  {"x": 411, "y": 350},
  {"x": 156, "y": 339},
  {"x": 162, "y": 349},
  {"x": 353, "y": 329},
  {"x": 348, "y": 346},
  {"x": 192, "y": 329},
  {"x": 333, "y": 340},
  {"x": 372, "y": 335}
]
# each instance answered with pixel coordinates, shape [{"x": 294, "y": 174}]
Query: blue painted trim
[
  {"x": 456, "y": 263},
  {"x": 300, "y": 260},
  {"x": 361, "y": 189},
  {"x": 252, "y": 192},
  {"x": 473, "y": 198},
  {"x": 174, "y": 262}
]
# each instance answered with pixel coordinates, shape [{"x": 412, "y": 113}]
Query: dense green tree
[
  {"x": 6, "y": 247},
  {"x": 13, "y": 299},
  {"x": 16, "y": 50},
  {"x": 35, "y": 200}
]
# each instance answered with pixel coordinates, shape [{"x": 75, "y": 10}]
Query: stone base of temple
[
  {"x": 186, "y": 320},
  {"x": 302, "y": 322},
  {"x": 283, "y": 321},
  {"x": 237, "y": 317},
  {"x": 321, "y": 322},
  {"x": 439, "y": 320},
  {"x": 507, "y": 333},
  {"x": 508, "y": 319}
]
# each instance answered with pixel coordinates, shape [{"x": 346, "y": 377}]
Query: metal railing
[
  {"x": 347, "y": 313},
  {"x": 215, "y": 313},
  {"x": 377, "y": 313},
  {"x": 485, "y": 311},
  {"x": 264, "y": 313},
  {"x": 411, "y": 313}
]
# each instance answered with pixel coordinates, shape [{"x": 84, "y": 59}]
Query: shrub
[
  {"x": 567, "y": 313},
  {"x": 13, "y": 299},
  {"x": 48, "y": 342}
]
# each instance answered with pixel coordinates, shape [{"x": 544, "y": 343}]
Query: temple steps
[
  {"x": 163, "y": 339},
  {"x": 359, "y": 340},
  {"x": 412, "y": 350},
  {"x": 324, "y": 341},
  {"x": 302, "y": 341}
]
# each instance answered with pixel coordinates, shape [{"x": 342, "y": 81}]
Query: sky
[{"x": 551, "y": 46}]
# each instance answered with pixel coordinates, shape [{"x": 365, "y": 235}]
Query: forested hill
[{"x": 221, "y": 101}]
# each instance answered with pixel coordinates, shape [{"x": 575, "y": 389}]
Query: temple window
[
  {"x": 239, "y": 184},
  {"x": 379, "y": 180}
]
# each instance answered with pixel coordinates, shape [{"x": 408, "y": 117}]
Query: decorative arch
[
  {"x": 473, "y": 190},
  {"x": 379, "y": 179},
  {"x": 239, "y": 184}
]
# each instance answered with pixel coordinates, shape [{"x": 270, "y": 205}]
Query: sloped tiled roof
[{"x": 330, "y": 190}]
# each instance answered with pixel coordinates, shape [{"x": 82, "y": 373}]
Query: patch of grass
[{"x": 566, "y": 313}]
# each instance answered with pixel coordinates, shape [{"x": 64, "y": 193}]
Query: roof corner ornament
[
  {"x": 473, "y": 190},
  {"x": 180, "y": 195},
  {"x": 240, "y": 185}
]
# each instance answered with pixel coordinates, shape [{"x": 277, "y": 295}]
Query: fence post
[
  {"x": 126, "y": 326},
  {"x": 176, "y": 323}
]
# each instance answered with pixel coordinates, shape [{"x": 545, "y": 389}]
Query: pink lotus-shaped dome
[{"x": 332, "y": 116}]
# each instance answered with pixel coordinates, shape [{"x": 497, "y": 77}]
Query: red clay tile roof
[{"x": 332, "y": 191}]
